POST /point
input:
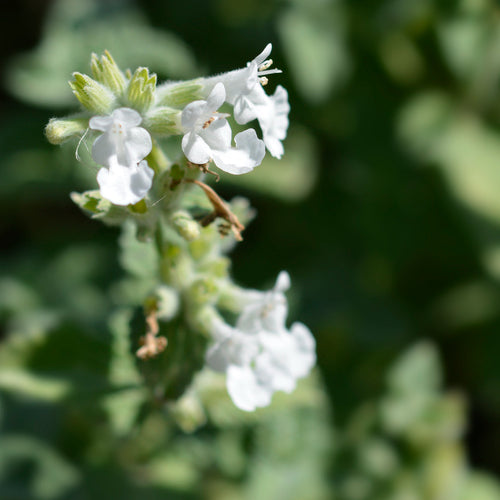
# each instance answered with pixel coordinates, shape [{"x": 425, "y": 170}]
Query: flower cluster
[
  {"x": 127, "y": 115},
  {"x": 187, "y": 108},
  {"x": 259, "y": 355}
]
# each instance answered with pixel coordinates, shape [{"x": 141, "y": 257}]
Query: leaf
[
  {"x": 313, "y": 39},
  {"x": 50, "y": 477}
]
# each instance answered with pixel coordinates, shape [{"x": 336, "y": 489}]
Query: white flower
[
  {"x": 259, "y": 355},
  {"x": 244, "y": 91},
  {"x": 121, "y": 149},
  {"x": 208, "y": 137},
  {"x": 124, "y": 185},
  {"x": 122, "y": 138}
]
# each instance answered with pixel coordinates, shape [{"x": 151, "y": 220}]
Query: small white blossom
[
  {"x": 259, "y": 355},
  {"x": 121, "y": 148},
  {"x": 122, "y": 138},
  {"x": 124, "y": 185},
  {"x": 208, "y": 137},
  {"x": 244, "y": 91}
]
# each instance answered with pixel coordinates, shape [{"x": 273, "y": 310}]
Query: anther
[
  {"x": 209, "y": 122},
  {"x": 265, "y": 65},
  {"x": 263, "y": 81}
]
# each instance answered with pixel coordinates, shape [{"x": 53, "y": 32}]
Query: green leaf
[
  {"x": 50, "y": 476},
  {"x": 313, "y": 39}
]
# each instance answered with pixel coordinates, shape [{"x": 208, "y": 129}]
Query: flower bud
[
  {"x": 179, "y": 94},
  {"x": 167, "y": 302},
  {"x": 185, "y": 225},
  {"x": 92, "y": 95},
  {"x": 107, "y": 72},
  {"x": 141, "y": 90},
  {"x": 58, "y": 131},
  {"x": 163, "y": 120},
  {"x": 203, "y": 291}
]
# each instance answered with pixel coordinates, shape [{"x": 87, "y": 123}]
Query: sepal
[
  {"x": 107, "y": 72},
  {"x": 163, "y": 120},
  {"x": 185, "y": 225},
  {"x": 141, "y": 90},
  {"x": 179, "y": 94},
  {"x": 58, "y": 130},
  {"x": 92, "y": 95}
]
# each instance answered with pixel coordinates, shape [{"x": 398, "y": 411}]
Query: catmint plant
[{"x": 125, "y": 117}]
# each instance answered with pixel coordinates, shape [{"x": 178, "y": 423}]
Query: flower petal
[
  {"x": 217, "y": 135},
  {"x": 104, "y": 149},
  {"x": 269, "y": 369},
  {"x": 245, "y": 391},
  {"x": 101, "y": 123},
  {"x": 248, "y": 154},
  {"x": 196, "y": 149},
  {"x": 217, "y": 97},
  {"x": 263, "y": 55},
  {"x": 126, "y": 116},
  {"x": 138, "y": 144},
  {"x": 191, "y": 113},
  {"x": 123, "y": 185}
]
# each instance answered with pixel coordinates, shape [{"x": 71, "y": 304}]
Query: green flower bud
[
  {"x": 200, "y": 318},
  {"x": 92, "y": 95},
  {"x": 188, "y": 412},
  {"x": 107, "y": 72},
  {"x": 185, "y": 225},
  {"x": 165, "y": 301},
  {"x": 176, "y": 266},
  {"x": 179, "y": 94},
  {"x": 203, "y": 291},
  {"x": 163, "y": 120},
  {"x": 58, "y": 131},
  {"x": 141, "y": 90},
  {"x": 97, "y": 207}
]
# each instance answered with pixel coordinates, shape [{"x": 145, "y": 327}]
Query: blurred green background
[{"x": 385, "y": 210}]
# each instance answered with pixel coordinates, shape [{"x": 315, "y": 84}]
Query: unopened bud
[
  {"x": 141, "y": 90},
  {"x": 203, "y": 291},
  {"x": 185, "y": 225},
  {"x": 107, "y": 72},
  {"x": 163, "y": 120},
  {"x": 92, "y": 95},
  {"x": 167, "y": 302},
  {"x": 58, "y": 131},
  {"x": 179, "y": 94}
]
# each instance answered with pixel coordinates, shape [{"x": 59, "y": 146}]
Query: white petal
[
  {"x": 303, "y": 336},
  {"x": 126, "y": 116},
  {"x": 123, "y": 185},
  {"x": 247, "y": 104},
  {"x": 237, "y": 349},
  {"x": 263, "y": 55},
  {"x": 217, "y": 97},
  {"x": 244, "y": 389},
  {"x": 196, "y": 149},
  {"x": 274, "y": 146},
  {"x": 283, "y": 282},
  {"x": 104, "y": 149},
  {"x": 138, "y": 143},
  {"x": 244, "y": 110},
  {"x": 100, "y": 123},
  {"x": 192, "y": 112},
  {"x": 249, "y": 153},
  {"x": 270, "y": 372},
  {"x": 273, "y": 120},
  {"x": 217, "y": 135}
]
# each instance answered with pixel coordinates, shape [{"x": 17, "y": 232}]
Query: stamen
[
  {"x": 269, "y": 72},
  {"x": 209, "y": 122},
  {"x": 263, "y": 81},
  {"x": 265, "y": 65}
]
